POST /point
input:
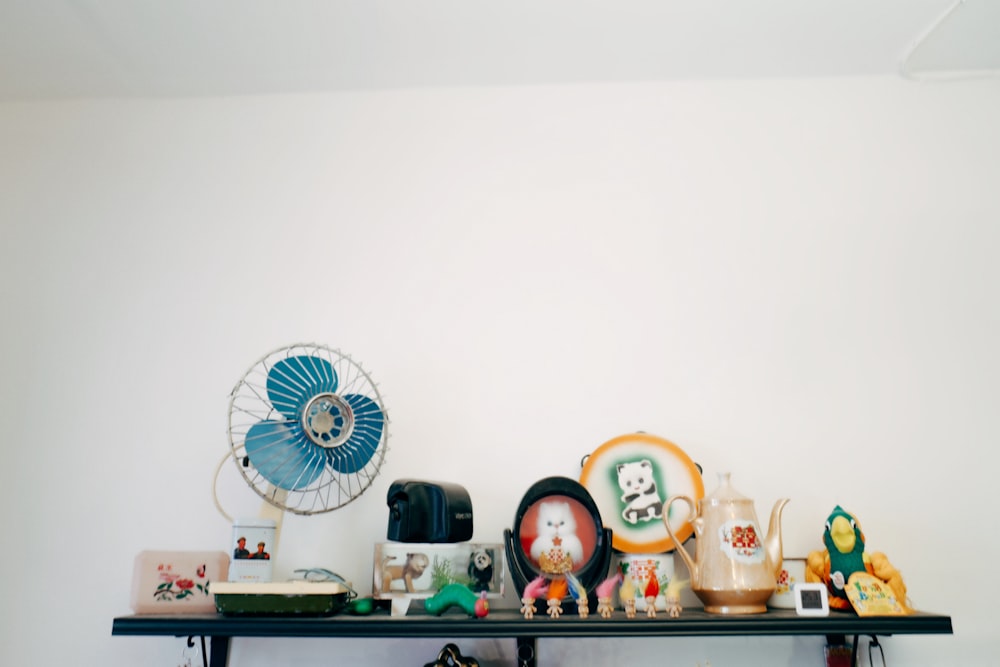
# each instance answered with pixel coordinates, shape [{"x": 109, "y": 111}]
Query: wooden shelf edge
[{"x": 509, "y": 623}]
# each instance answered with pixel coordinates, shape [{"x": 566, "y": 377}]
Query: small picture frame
[
  {"x": 412, "y": 570},
  {"x": 811, "y": 599}
]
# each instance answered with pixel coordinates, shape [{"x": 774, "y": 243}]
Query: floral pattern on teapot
[{"x": 740, "y": 541}]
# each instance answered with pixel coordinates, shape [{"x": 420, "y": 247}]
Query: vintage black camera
[{"x": 422, "y": 511}]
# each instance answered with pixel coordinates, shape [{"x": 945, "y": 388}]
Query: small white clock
[{"x": 810, "y": 599}]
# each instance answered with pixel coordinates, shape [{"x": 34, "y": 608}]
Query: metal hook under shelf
[{"x": 204, "y": 653}]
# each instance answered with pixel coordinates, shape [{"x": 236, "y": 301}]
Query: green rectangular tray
[{"x": 280, "y": 599}]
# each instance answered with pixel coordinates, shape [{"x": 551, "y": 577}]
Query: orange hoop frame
[{"x": 593, "y": 470}]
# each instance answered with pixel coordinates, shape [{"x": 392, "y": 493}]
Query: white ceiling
[{"x": 105, "y": 48}]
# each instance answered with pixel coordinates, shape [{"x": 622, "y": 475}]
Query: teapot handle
[
  {"x": 691, "y": 517},
  {"x": 692, "y": 508}
]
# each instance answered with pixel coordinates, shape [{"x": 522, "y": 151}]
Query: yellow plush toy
[{"x": 844, "y": 555}]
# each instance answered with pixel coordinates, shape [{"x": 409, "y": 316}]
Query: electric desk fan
[{"x": 307, "y": 428}]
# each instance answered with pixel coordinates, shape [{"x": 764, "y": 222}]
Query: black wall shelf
[{"x": 509, "y": 623}]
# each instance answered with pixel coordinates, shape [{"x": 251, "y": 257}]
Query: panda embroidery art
[
  {"x": 630, "y": 478},
  {"x": 639, "y": 493}
]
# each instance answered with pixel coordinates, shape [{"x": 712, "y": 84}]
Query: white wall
[{"x": 793, "y": 280}]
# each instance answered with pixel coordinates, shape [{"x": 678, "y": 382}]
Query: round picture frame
[
  {"x": 630, "y": 478},
  {"x": 556, "y": 499}
]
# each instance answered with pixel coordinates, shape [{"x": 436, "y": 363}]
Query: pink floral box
[{"x": 176, "y": 582}]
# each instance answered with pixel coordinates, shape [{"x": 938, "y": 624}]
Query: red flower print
[{"x": 176, "y": 587}]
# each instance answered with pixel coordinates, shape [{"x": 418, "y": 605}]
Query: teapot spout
[{"x": 772, "y": 543}]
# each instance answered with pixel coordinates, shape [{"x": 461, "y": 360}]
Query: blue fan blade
[
  {"x": 283, "y": 455},
  {"x": 292, "y": 382},
  {"x": 360, "y": 447}
]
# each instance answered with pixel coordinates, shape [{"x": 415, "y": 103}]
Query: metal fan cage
[{"x": 249, "y": 404}]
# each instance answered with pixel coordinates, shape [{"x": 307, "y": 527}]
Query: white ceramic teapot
[{"x": 735, "y": 568}]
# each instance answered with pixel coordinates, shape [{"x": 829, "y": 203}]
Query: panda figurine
[
  {"x": 480, "y": 570},
  {"x": 639, "y": 493}
]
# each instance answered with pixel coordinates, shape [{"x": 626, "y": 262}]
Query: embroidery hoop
[{"x": 674, "y": 472}]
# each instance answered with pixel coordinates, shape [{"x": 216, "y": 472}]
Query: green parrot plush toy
[{"x": 844, "y": 555}]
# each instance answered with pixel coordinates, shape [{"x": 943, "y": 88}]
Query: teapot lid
[{"x": 724, "y": 491}]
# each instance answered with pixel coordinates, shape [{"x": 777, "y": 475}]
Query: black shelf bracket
[{"x": 527, "y": 652}]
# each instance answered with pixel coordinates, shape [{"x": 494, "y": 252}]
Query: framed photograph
[
  {"x": 415, "y": 570},
  {"x": 811, "y": 600}
]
